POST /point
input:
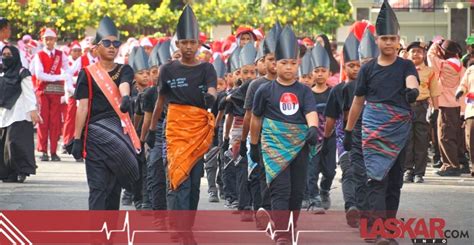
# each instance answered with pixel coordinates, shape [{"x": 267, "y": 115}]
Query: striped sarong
[
  {"x": 385, "y": 131},
  {"x": 281, "y": 143},
  {"x": 107, "y": 142}
]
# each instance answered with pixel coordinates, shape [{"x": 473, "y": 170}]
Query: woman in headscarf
[
  {"x": 334, "y": 65},
  {"x": 18, "y": 114}
]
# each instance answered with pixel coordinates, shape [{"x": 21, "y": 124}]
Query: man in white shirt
[{"x": 54, "y": 78}]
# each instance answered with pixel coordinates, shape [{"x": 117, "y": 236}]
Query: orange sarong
[{"x": 189, "y": 133}]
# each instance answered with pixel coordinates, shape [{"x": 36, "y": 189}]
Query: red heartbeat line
[{"x": 131, "y": 234}]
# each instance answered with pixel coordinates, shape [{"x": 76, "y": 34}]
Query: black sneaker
[
  {"x": 316, "y": 206},
  {"x": 438, "y": 164},
  {"x": 449, "y": 172},
  {"x": 408, "y": 177},
  {"x": 325, "y": 200},
  {"x": 352, "y": 217},
  {"x": 21, "y": 178},
  {"x": 419, "y": 179},
  {"x": 44, "y": 157},
  {"x": 55, "y": 158},
  {"x": 228, "y": 204},
  {"x": 213, "y": 197},
  {"x": 80, "y": 160},
  {"x": 465, "y": 169}
]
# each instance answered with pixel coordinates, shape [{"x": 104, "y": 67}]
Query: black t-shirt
[
  {"x": 186, "y": 85},
  {"x": 219, "y": 97},
  {"x": 334, "y": 105},
  {"x": 385, "y": 84},
  {"x": 101, "y": 107},
  {"x": 288, "y": 104},
  {"x": 149, "y": 100},
  {"x": 252, "y": 89},
  {"x": 321, "y": 100},
  {"x": 348, "y": 94}
]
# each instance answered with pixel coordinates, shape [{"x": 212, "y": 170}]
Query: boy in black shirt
[
  {"x": 389, "y": 84},
  {"x": 367, "y": 51},
  {"x": 284, "y": 109},
  {"x": 262, "y": 216},
  {"x": 323, "y": 162},
  {"x": 189, "y": 88},
  {"x": 141, "y": 77}
]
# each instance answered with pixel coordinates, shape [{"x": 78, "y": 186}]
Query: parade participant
[
  {"x": 104, "y": 133},
  {"x": 418, "y": 142},
  {"x": 212, "y": 158},
  {"x": 245, "y": 35},
  {"x": 70, "y": 115},
  {"x": 155, "y": 162},
  {"x": 285, "y": 111},
  {"x": 262, "y": 217},
  {"x": 53, "y": 77},
  {"x": 367, "y": 50},
  {"x": 324, "y": 162},
  {"x": 141, "y": 80},
  {"x": 18, "y": 114},
  {"x": 443, "y": 58},
  {"x": 386, "y": 119},
  {"x": 334, "y": 65},
  {"x": 189, "y": 87},
  {"x": 147, "y": 45},
  {"x": 305, "y": 69},
  {"x": 232, "y": 133},
  {"x": 467, "y": 88},
  {"x": 249, "y": 191}
]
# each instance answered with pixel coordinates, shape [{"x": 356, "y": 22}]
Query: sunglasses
[{"x": 107, "y": 43}]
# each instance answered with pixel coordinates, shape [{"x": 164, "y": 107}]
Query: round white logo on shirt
[{"x": 289, "y": 104}]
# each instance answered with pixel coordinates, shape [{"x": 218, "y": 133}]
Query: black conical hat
[
  {"x": 234, "y": 60},
  {"x": 247, "y": 55},
  {"x": 269, "y": 43},
  {"x": 351, "y": 48},
  {"x": 188, "y": 27},
  {"x": 153, "y": 59},
  {"x": 219, "y": 66},
  {"x": 140, "y": 60},
  {"x": 387, "y": 22},
  {"x": 306, "y": 65},
  {"x": 106, "y": 28},
  {"x": 164, "y": 53},
  {"x": 320, "y": 56},
  {"x": 287, "y": 45},
  {"x": 131, "y": 56},
  {"x": 368, "y": 48}
]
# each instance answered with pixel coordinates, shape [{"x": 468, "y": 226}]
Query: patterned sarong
[
  {"x": 385, "y": 130},
  {"x": 189, "y": 133},
  {"x": 281, "y": 143},
  {"x": 106, "y": 142}
]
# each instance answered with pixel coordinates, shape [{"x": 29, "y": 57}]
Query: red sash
[{"x": 111, "y": 92}]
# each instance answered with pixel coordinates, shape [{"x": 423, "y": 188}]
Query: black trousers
[
  {"x": 287, "y": 190},
  {"x": 17, "y": 150},
  {"x": 384, "y": 196},
  {"x": 104, "y": 188},
  {"x": 249, "y": 189}
]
